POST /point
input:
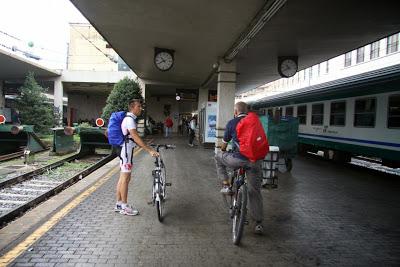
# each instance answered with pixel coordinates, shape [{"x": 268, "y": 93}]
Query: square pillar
[
  {"x": 203, "y": 97},
  {"x": 58, "y": 98},
  {"x": 226, "y": 89}
]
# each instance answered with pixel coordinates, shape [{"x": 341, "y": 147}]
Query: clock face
[
  {"x": 288, "y": 67},
  {"x": 163, "y": 61}
]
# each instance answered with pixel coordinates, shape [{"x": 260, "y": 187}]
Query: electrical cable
[{"x": 108, "y": 56}]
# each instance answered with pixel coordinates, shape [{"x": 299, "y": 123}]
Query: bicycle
[
  {"x": 159, "y": 194},
  {"x": 237, "y": 203}
]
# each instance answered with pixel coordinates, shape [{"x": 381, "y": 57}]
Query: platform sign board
[{"x": 211, "y": 122}]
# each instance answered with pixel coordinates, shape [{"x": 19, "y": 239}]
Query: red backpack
[{"x": 252, "y": 139}]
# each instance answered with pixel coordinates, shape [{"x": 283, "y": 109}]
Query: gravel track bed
[{"x": 39, "y": 184}]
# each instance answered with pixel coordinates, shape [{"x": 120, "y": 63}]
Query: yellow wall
[{"x": 82, "y": 51}]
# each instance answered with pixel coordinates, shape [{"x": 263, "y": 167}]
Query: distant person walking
[
  {"x": 168, "y": 126},
  {"x": 192, "y": 129}
]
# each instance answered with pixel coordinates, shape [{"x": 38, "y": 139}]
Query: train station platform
[{"x": 321, "y": 214}]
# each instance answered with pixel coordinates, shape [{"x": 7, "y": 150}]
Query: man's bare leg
[
  {"x": 118, "y": 191},
  {"x": 124, "y": 178}
]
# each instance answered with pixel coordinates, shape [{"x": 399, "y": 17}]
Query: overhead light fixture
[{"x": 262, "y": 17}]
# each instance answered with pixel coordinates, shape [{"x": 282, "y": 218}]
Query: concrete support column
[
  {"x": 226, "y": 89},
  {"x": 58, "y": 97},
  {"x": 203, "y": 97},
  {"x": 2, "y": 97}
]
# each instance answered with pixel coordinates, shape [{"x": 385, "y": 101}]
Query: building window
[
  {"x": 327, "y": 66},
  {"x": 374, "y": 50},
  {"x": 392, "y": 43},
  {"x": 360, "y": 55},
  {"x": 394, "y": 111},
  {"x": 302, "y": 114},
  {"x": 289, "y": 112},
  {"x": 364, "y": 113},
  {"x": 317, "y": 114},
  {"x": 338, "y": 114},
  {"x": 347, "y": 59}
]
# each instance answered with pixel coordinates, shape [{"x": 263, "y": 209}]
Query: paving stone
[{"x": 322, "y": 214}]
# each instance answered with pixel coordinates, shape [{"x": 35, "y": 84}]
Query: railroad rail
[
  {"x": 19, "y": 194},
  {"x": 11, "y": 156}
]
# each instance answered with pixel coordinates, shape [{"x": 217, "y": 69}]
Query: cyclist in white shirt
[{"x": 128, "y": 127}]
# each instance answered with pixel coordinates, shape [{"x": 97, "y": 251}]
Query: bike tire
[
  {"x": 159, "y": 207},
  {"x": 239, "y": 217},
  {"x": 164, "y": 180}
]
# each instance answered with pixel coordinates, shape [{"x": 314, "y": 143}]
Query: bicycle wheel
[
  {"x": 239, "y": 215},
  {"x": 159, "y": 207},
  {"x": 163, "y": 177}
]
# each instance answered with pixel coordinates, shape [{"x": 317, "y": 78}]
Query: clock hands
[{"x": 163, "y": 61}]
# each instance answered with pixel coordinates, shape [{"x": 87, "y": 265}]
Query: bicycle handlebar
[{"x": 158, "y": 146}]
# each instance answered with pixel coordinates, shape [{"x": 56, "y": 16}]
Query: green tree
[
  {"x": 118, "y": 100},
  {"x": 33, "y": 105}
]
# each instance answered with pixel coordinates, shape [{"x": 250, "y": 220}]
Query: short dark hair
[
  {"x": 133, "y": 102},
  {"x": 241, "y": 107}
]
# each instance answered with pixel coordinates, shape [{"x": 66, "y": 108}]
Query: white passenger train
[{"x": 351, "y": 117}]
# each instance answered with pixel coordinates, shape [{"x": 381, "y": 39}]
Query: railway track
[
  {"x": 19, "y": 194},
  {"x": 11, "y": 156}
]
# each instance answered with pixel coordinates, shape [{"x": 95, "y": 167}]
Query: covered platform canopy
[
  {"x": 16, "y": 67},
  {"x": 232, "y": 46},
  {"x": 254, "y": 33}
]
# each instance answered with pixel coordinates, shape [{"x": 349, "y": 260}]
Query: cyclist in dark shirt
[{"x": 234, "y": 159}]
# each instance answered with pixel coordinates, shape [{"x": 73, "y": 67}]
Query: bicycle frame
[
  {"x": 237, "y": 180},
  {"x": 158, "y": 193},
  {"x": 158, "y": 179}
]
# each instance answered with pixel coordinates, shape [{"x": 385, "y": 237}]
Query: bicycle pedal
[{"x": 168, "y": 184}]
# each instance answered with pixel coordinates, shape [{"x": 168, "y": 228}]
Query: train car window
[
  {"x": 317, "y": 114},
  {"x": 289, "y": 112},
  {"x": 394, "y": 111},
  {"x": 338, "y": 113},
  {"x": 364, "y": 113},
  {"x": 302, "y": 114}
]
